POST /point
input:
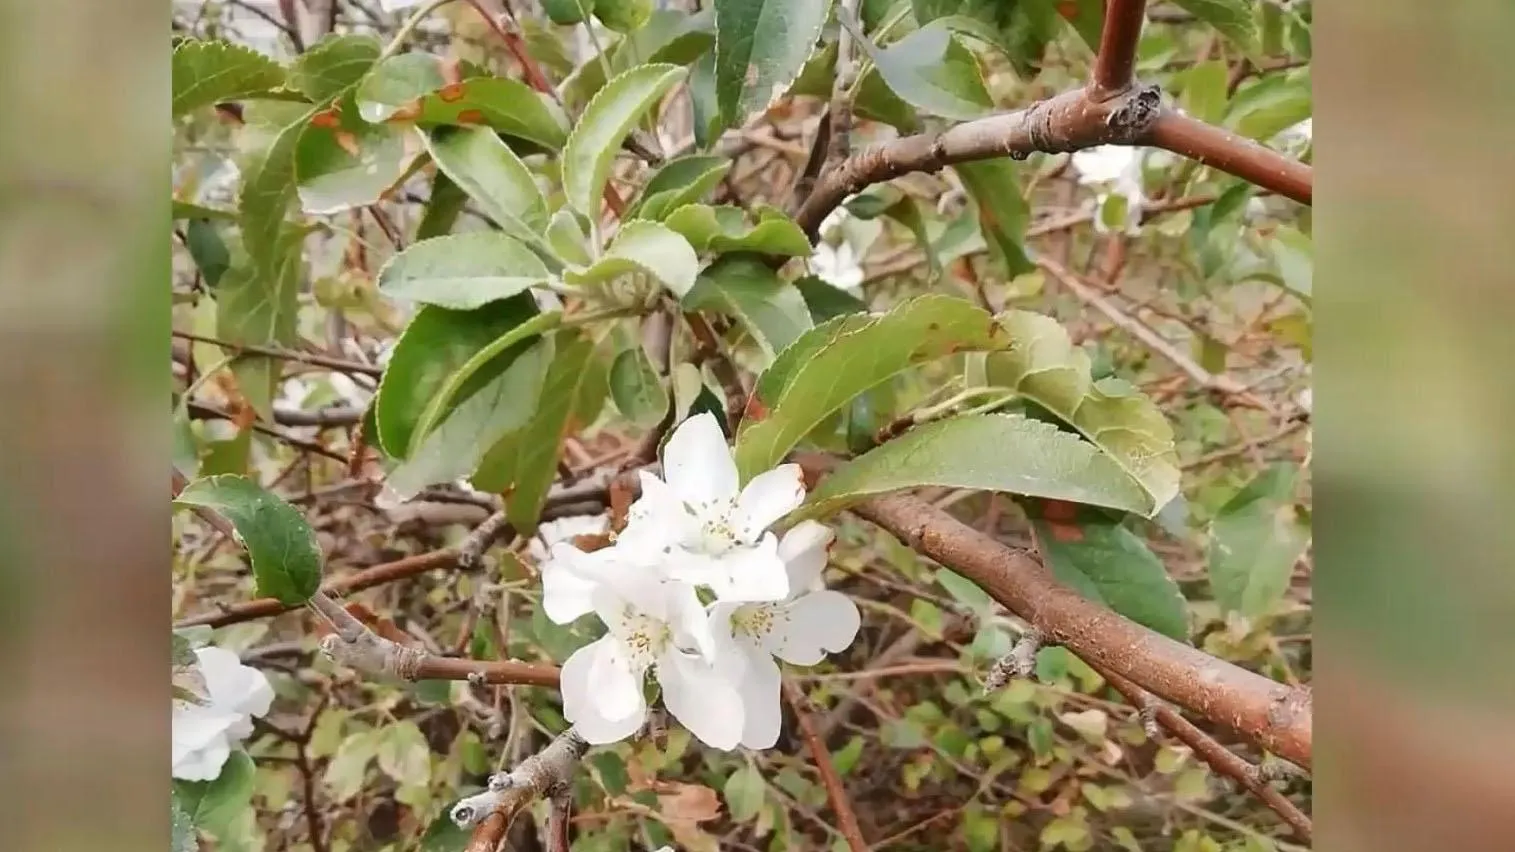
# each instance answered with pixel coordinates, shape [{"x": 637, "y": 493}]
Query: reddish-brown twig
[{"x": 841, "y": 806}]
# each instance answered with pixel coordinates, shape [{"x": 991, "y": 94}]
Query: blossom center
[
  {"x": 645, "y": 638},
  {"x": 755, "y": 620}
]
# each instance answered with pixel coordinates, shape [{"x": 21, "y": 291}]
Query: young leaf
[
  {"x": 636, "y": 389},
  {"x": 1047, "y": 368},
  {"x": 257, "y": 305},
  {"x": 760, "y": 46},
  {"x": 933, "y": 72},
  {"x": 212, "y": 806},
  {"x": 333, "y": 64},
  {"x": 462, "y": 271},
  {"x": 1255, "y": 539},
  {"x": 205, "y": 72},
  {"x": 286, "y": 561},
  {"x": 1232, "y": 17},
  {"x": 499, "y": 398},
  {"x": 571, "y": 397},
  {"x": 1002, "y": 212},
  {"x": 744, "y": 287},
  {"x": 725, "y": 229},
  {"x": 493, "y": 176},
  {"x": 1105, "y": 562},
  {"x": 677, "y": 183},
  {"x": 830, "y": 364},
  {"x": 342, "y": 161},
  {"x": 992, "y": 452},
  {"x": 609, "y": 117},
  {"x": 647, "y": 247},
  {"x": 427, "y": 361}
]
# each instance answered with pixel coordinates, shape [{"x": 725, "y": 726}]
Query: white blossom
[
  {"x": 203, "y": 735},
  {"x": 702, "y": 527},
  {"x": 801, "y": 630},
  {"x": 1113, "y": 170},
  {"x": 650, "y": 624},
  {"x": 565, "y": 529}
]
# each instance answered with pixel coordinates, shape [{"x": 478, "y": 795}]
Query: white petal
[
  {"x": 702, "y": 699},
  {"x": 195, "y": 727},
  {"x": 697, "y": 464},
  {"x": 203, "y": 764},
  {"x": 566, "y": 592},
  {"x": 761, "y": 714},
  {"x": 602, "y": 696},
  {"x": 805, "y": 548},
  {"x": 698, "y": 568},
  {"x": 817, "y": 623},
  {"x": 232, "y": 686},
  {"x": 691, "y": 624},
  {"x": 769, "y": 496},
  {"x": 753, "y": 573},
  {"x": 657, "y": 520}
]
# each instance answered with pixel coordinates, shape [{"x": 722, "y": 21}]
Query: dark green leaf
[
  {"x": 703, "y": 105},
  {"x": 207, "y": 249},
  {"x": 333, "y": 64},
  {"x": 623, "y": 16},
  {"x": 611, "y": 114},
  {"x": 566, "y": 12},
  {"x": 1275, "y": 103},
  {"x": 933, "y": 72},
  {"x": 1002, "y": 211},
  {"x": 1107, "y": 563},
  {"x": 1021, "y": 29},
  {"x": 212, "y": 806},
  {"x": 442, "y": 208},
  {"x": 679, "y": 182},
  {"x": 1232, "y": 17},
  {"x": 636, "y": 389},
  {"x": 268, "y": 187},
  {"x": 746, "y": 288},
  {"x": 1255, "y": 539},
  {"x": 205, "y": 72},
  {"x": 825, "y": 301},
  {"x": 991, "y": 452},
  {"x": 671, "y": 35},
  {"x": 286, "y": 561},
  {"x": 462, "y": 271},
  {"x": 257, "y": 305},
  {"x": 494, "y": 177},
  {"x": 444, "y": 835},
  {"x": 759, "y": 49},
  {"x": 185, "y": 210}
]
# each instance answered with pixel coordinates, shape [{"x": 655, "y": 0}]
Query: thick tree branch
[
  {"x": 1224, "y": 150},
  {"x": 1115, "y": 65},
  {"x": 545, "y": 773},
  {"x": 1275, "y": 716}
]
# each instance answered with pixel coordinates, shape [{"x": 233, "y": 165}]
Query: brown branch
[
  {"x": 341, "y": 365},
  {"x": 1224, "y": 150},
  {"x": 487, "y": 671},
  {"x": 200, "y": 410},
  {"x": 1115, "y": 65},
  {"x": 546, "y": 773},
  {"x": 1220, "y": 758},
  {"x": 559, "y": 814},
  {"x": 841, "y": 806},
  {"x": 839, "y": 144},
  {"x": 1274, "y": 715}
]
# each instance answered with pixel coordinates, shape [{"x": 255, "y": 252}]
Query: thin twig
[
  {"x": 841, "y": 806},
  {"x": 315, "y": 359}
]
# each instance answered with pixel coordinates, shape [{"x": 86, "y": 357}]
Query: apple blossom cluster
[
  {"x": 205, "y": 732},
  {"x": 699, "y": 591}
]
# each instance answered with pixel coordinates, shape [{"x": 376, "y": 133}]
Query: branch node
[
  {"x": 1136, "y": 114},
  {"x": 1276, "y": 769},
  {"x": 471, "y": 551},
  {"x": 1020, "y": 662},
  {"x": 1148, "y": 715}
]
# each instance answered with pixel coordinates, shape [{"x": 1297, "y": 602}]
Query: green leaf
[
  {"x": 744, "y": 792},
  {"x": 679, "y": 182},
  {"x": 527, "y": 463},
  {"x": 567, "y": 12},
  {"x": 428, "y": 359},
  {"x": 609, "y": 117},
  {"x": 930, "y": 70},
  {"x": 207, "y": 249},
  {"x": 1002, "y": 211},
  {"x": 831, "y": 364},
  {"x": 206, "y": 72},
  {"x": 874, "y": 99},
  {"x": 186, "y": 210},
  {"x": 724, "y": 229},
  {"x": 1046, "y": 367},
  {"x": 746, "y": 288},
  {"x": 1255, "y": 539},
  {"x": 268, "y": 187},
  {"x": 442, "y": 208},
  {"x": 704, "y": 107},
  {"x": 1107, "y": 563},
  {"x": 257, "y": 305},
  {"x": 991, "y": 452},
  {"x": 623, "y": 16},
  {"x": 345, "y": 162},
  {"x": 462, "y": 271},
  {"x": 636, "y": 389},
  {"x": 645, "y": 247},
  {"x": 212, "y": 806},
  {"x": 1294, "y": 256},
  {"x": 965, "y": 591},
  {"x": 403, "y": 753},
  {"x": 494, "y": 177},
  {"x": 566, "y": 238},
  {"x": 826, "y": 301},
  {"x": 181, "y": 825},
  {"x": 1202, "y": 90},
  {"x": 444, "y": 835},
  {"x": 759, "y": 49},
  {"x": 286, "y": 560},
  {"x": 1021, "y": 29},
  {"x": 671, "y": 36},
  {"x": 1232, "y": 17},
  {"x": 333, "y": 64},
  {"x": 1274, "y": 103},
  {"x": 396, "y": 83},
  {"x": 506, "y": 105},
  {"x": 1087, "y": 17},
  {"x": 348, "y": 768}
]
